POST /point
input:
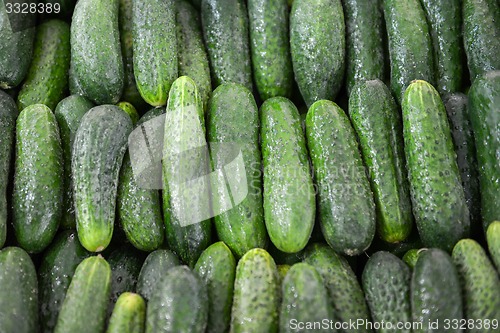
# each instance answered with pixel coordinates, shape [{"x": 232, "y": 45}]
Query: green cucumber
[
  {"x": 38, "y": 178},
  {"x": 19, "y": 294},
  {"x": 154, "y": 44},
  {"x": 154, "y": 268},
  {"x": 225, "y": 31},
  {"x": 256, "y": 294},
  {"x": 179, "y": 303},
  {"x": 410, "y": 46},
  {"x": 98, "y": 149},
  {"x": 411, "y": 257},
  {"x": 233, "y": 127},
  {"x": 47, "y": 79},
  {"x": 346, "y": 210},
  {"x": 74, "y": 85},
  {"x": 386, "y": 282},
  {"x": 317, "y": 44},
  {"x": 437, "y": 194},
  {"x": 282, "y": 271},
  {"x": 484, "y": 99},
  {"x": 270, "y": 48},
  {"x": 128, "y": 315},
  {"x": 69, "y": 113},
  {"x": 130, "y": 110},
  {"x": 84, "y": 308},
  {"x": 493, "y": 238},
  {"x": 216, "y": 267},
  {"x": 96, "y": 57}
]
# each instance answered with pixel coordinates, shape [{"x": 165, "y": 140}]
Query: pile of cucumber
[{"x": 324, "y": 165}]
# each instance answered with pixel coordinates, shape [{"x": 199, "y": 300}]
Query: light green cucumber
[
  {"x": 129, "y": 314},
  {"x": 493, "y": 238}
]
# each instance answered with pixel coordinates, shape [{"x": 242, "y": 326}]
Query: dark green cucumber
[
  {"x": 130, "y": 110},
  {"x": 216, "y": 267},
  {"x": 480, "y": 283},
  {"x": 365, "y": 58},
  {"x": 344, "y": 291},
  {"x": 484, "y": 99},
  {"x": 437, "y": 194},
  {"x": 493, "y": 238},
  {"x": 38, "y": 178},
  {"x": 346, "y": 210},
  {"x": 19, "y": 293},
  {"x": 8, "y": 115},
  {"x": 317, "y": 44},
  {"x": 185, "y": 158},
  {"x": 435, "y": 292},
  {"x": 179, "y": 303},
  {"x": 444, "y": 18},
  {"x": 154, "y": 268},
  {"x": 225, "y": 31},
  {"x": 256, "y": 294},
  {"x": 233, "y": 127},
  {"x": 98, "y": 149},
  {"x": 193, "y": 59},
  {"x": 56, "y": 270},
  {"x": 74, "y": 85},
  {"x": 289, "y": 203},
  {"x": 377, "y": 121},
  {"x": 410, "y": 46},
  {"x": 481, "y": 33},
  {"x": 270, "y": 48},
  {"x": 69, "y": 113},
  {"x": 96, "y": 56},
  {"x": 84, "y": 308},
  {"x": 129, "y": 314},
  {"x": 154, "y": 43},
  {"x": 386, "y": 282},
  {"x": 305, "y": 299},
  {"x": 411, "y": 257},
  {"x": 47, "y": 79}
]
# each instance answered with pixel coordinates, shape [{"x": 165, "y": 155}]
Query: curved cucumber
[
  {"x": 493, "y": 238},
  {"x": 129, "y": 314},
  {"x": 154, "y": 268}
]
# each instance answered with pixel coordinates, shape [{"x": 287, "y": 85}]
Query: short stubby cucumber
[
  {"x": 493, "y": 238},
  {"x": 154, "y": 268},
  {"x": 129, "y": 314}
]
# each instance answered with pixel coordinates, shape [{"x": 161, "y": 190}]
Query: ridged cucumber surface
[
  {"x": 129, "y": 314},
  {"x": 493, "y": 238},
  {"x": 154, "y": 268}
]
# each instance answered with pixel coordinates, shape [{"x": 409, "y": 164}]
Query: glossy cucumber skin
[
  {"x": 98, "y": 150},
  {"x": 365, "y": 59},
  {"x": 154, "y": 49},
  {"x": 69, "y": 113},
  {"x": 438, "y": 199},
  {"x": 233, "y": 119},
  {"x": 47, "y": 79},
  {"x": 317, "y": 44},
  {"x": 154, "y": 268},
  {"x": 289, "y": 202},
  {"x": 493, "y": 238},
  {"x": 346, "y": 209},
  {"x": 96, "y": 57},
  {"x": 411, "y": 257},
  {"x": 225, "y": 31},
  {"x": 410, "y": 46},
  {"x": 270, "y": 48},
  {"x": 128, "y": 315},
  {"x": 19, "y": 294},
  {"x": 38, "y": 178}
]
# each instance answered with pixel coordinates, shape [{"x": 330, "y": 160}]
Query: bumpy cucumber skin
[
  {"x": 256, "y": 294},
  {"x": 8, "y": 115},
  {"x": 411, "y": 257},
  {"x": 38, "y": 178},
  {"x": 437, "y": 195},
  {"x": 386, "y": 282},
  {"x": 410, "y": 46},
  {"x": 435, "y": 291},
  {"x": 289, "y": 202},
  {"x": 96, "y": 57},
  {"x": 480, "y": 283},
  {"x": 98, "y": 150},
  {"x": 154, "y": 268},
  {"x": 225, "y": 31},
  {"x": 234, "y": 119},
  {"x": 484, "y": 99},
  {"x": 193, "y": 58},
  {"x": 345, "y": 201},
  {"x": 317, "y": 44},
  {"x": 84, "y": 308},
  {"x": 69, "y": 113},
  {"x": 128, "y": 315},
  {"x": 19, "y": 300},
  {"x": 365, "y": 59},
  {"x": 74, "y": 85},
  {"x": 481, "y": 36},
  {"x": 493, "y": 238},
  {"x": 54, "y": 276},
  {"x": 270, "y": 48},
  {"x": 179, "y": 304},
  {"x": 217, "y": 267},
  {"x": 47, "y": 79},
  {"x": 154, "y": 49}
]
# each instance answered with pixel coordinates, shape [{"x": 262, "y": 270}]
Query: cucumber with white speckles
[{"x": 153, "y": 269}]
